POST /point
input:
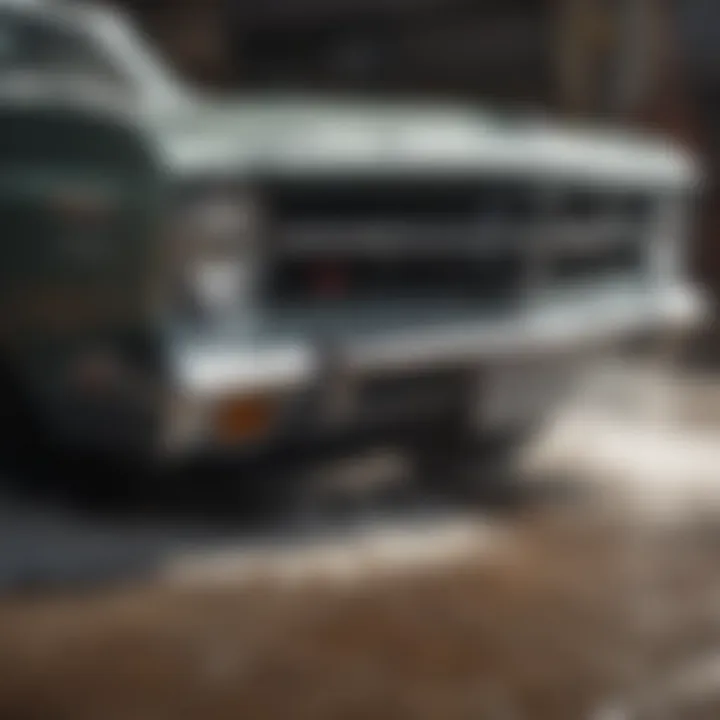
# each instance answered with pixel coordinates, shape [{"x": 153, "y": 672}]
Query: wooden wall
[
  {"x": 498, "y": 50},
  {"x": 630, "y": 66}
]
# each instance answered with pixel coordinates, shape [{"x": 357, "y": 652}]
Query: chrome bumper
[{"x": 206, "y": 374}]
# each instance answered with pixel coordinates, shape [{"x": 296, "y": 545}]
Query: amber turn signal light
[{"x": 243, "y": 419}]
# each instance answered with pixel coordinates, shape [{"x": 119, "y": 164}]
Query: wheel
[{"x": 35, "y": 461}]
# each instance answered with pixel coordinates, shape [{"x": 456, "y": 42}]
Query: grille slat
[
  {"x": 466, "y": 240},
  {"x": 397, "y": 240},
  {"x": 411, "y": 279}
]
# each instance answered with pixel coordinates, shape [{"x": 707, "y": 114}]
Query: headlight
[
  {"x": 217, "y": 233},
  {"x": 223, "y": 224}
]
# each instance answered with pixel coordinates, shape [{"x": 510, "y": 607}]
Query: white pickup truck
[{"x": 327, "y": 268}]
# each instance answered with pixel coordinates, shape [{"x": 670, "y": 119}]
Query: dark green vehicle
[{"x": 185, "y": 275}]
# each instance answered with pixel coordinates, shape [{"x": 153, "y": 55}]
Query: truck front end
[{"x": 366, "y": 277}]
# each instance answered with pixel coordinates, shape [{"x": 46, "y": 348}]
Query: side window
[{"x": 38, "y": 45}]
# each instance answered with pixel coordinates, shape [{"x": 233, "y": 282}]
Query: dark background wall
[
  {"x": 483, "y": 48},
  {"x": 593, "y": 57}
]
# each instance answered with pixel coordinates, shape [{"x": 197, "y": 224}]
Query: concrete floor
[
  {"x": 649, "y": 440},
  {"x": 608, "y": 604}
]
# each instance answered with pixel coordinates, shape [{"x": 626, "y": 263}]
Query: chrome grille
[
  {"x": 392, "y": 240},
  {"x": 470, "y": 240}
]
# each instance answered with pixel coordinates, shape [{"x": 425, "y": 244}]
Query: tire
[
  {"x": 24, "y": 448},
  {"x": 34, "y": 463}
]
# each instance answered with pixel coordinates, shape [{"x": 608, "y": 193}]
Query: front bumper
[{"x": 305, "y": 384}]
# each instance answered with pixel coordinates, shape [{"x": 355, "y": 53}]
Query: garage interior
[{"x": 538, "y": 610}]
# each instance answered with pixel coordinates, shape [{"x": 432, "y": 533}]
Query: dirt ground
[
  {"x": 577, "y": 610},
  {"x": 545, "y": 627}
]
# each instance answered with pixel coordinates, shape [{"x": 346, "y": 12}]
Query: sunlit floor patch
[
  {"x": 375, "y": 552},
  {"x": 658, "y": 452}
]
